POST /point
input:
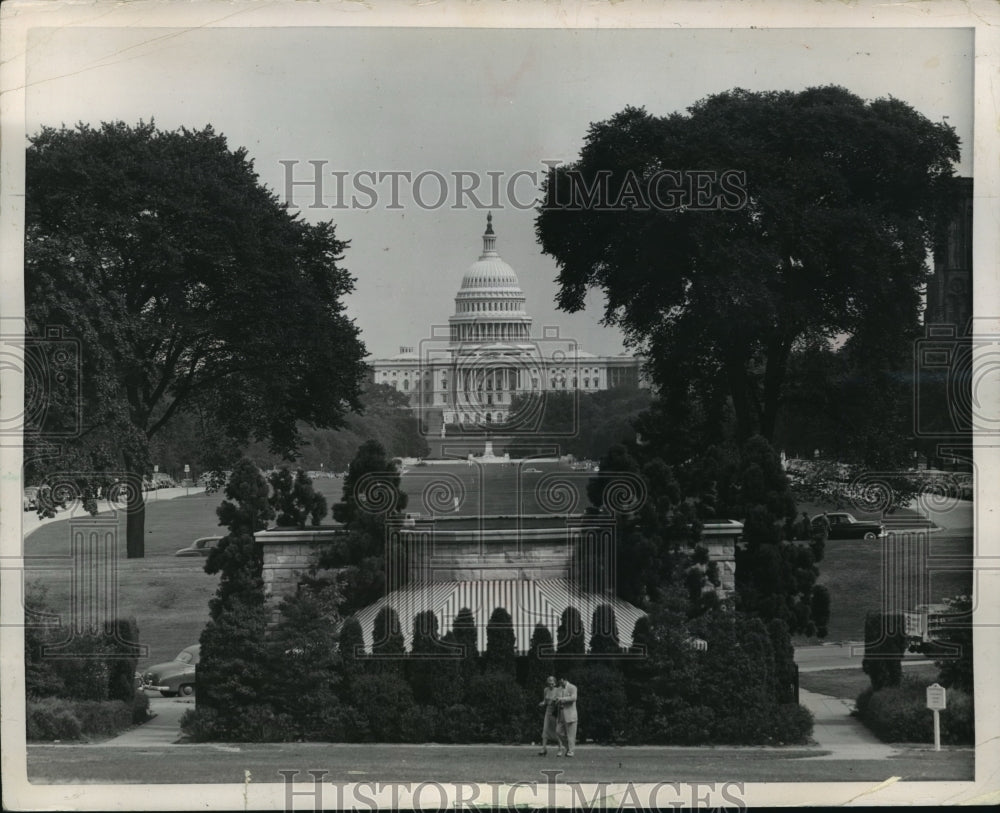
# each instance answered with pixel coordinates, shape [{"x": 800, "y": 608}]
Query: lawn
[
  {"x": 867, "y": 577},
  {"x": 849, "y": 683},
  {"x": 169, "y": 595}
]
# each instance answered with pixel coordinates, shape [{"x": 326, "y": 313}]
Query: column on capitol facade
[
  {"x": 488, "y": 356},
  {"x": 490, "y": 338}
]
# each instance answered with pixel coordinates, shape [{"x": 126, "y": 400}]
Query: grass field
[
  {"x": 849, "y": 683},
  {"x": 854, "y": 571},
  {"x": 169, "y": 595}
]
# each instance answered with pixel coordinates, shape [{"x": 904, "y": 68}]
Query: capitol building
[{"x": 468, "y": 374}]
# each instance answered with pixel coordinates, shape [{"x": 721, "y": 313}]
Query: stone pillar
[{"x": 720, "y": 538}]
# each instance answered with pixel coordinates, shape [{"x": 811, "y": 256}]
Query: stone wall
[
  {"x": 287, "y": 555},
  {"x": 436, "y": 555}
]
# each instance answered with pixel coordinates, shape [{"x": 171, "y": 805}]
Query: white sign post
[
  {"x": 187, "y": 479},
  {"x": 937, "y": 702}
]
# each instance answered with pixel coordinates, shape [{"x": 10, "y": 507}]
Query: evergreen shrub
[
  {"x": 56, "y": 718},
  {"x": 900, "y": 714},
  {"x": 498, "y": 704},
  {"x": 602, "y": 705}
]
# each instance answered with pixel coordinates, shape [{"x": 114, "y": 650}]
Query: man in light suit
[{"x": 566, "y": 725}]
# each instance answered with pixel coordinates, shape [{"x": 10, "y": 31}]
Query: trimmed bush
[
  {"x": 103, "y": 718},
  {"x": 457, "y": 724},
  {"x": 501, "y": 646},
  {"x": 419, "y": 724},
  {"x": 900, "y": 714},
  {"x": 787, "y": 724},
  {"x": 602, "y": 705},
  {"x": 498, "y": 703},
  {"x": 54, "y": 718},
  {"x": 680, "y": 724},
  {"x": 885, "y": 645},
  {"x": 383, "y": 700}
]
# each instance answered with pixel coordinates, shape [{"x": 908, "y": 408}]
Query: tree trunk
[
  {"x": 135, "y": 516},
  {"x": 739, "y": 391},
  {"x": 774, "y": 380}
]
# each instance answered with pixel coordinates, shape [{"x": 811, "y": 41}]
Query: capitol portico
[{"x": 470, "y": 373}]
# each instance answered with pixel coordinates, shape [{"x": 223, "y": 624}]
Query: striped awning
[{"x": 528, "y": 602}]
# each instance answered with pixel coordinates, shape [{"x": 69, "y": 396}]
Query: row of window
[
  {"x": 557, "y": 383},
  {"x": 560, "y": 372},
  {"x": 469, "y": 307}
]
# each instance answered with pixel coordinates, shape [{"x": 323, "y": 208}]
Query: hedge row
[
  {"x": 56, "y": 718},
  {"x": 296, "y": 684},
  {"x": 900, "y": 714}
]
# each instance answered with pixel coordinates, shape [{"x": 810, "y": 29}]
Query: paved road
[{"x": 841, "y": 655}]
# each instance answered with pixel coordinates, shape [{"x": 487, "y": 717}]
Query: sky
[{"x": 488, "y": 102}]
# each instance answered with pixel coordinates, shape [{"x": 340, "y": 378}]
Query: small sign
[
  {"x": 913, "y": 625},
  {"x": 156, "y": 468},
  {"x": 936, "y": 697},
  {"x": 187, "y": 468}
]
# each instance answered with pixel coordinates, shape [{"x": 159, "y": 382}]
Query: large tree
[
  {"x": 724, "y": 237},
  {"x": 189, "y": 288}
]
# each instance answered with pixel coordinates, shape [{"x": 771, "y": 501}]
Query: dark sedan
[
  {"x": 846, "y": 526},
  {"x": 200, "y": 547}
]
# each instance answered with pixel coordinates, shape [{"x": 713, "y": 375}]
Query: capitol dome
[
  {"x": 489, "y": 272},
  {"x": 489, "y": 305}
]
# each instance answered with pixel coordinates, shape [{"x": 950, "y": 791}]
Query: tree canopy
[
  {"x": 724, "y": 237},
  {"x": 189, "y": 288}
]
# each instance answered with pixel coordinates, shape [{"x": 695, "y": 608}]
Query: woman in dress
[{"x": 549, "y": 698}]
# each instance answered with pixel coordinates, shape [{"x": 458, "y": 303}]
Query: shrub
[
  {"x": 501, "y": 646},
  {"x": 304, "y": 666},
  {"x": 498, "y": 703},
  {"x": 52, "y": 719},
  {"x": 253, "y": 724},
  {"x": 457, "y": 723},
  {"x": 346, "y": 723},
  {"x": 956, "y": 670},
  {"x": 419, "y": 724},
  {"x": 103, "y": 718},
  {"x": 885, "y": 644},
  {"x": 900, "y": 714},
  {"x": 686, "y": 725},
  {"x": 958, "y": 721},
  {"x": 602, "y": 705},
  {"x": 604, "y": 631},
  {"x": 784, "y": 661},
  {"x": 788, "y": 724},
  {"x": 383, "y": 700}
]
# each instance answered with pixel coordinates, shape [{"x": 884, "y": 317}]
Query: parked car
[
  {"x": 163, "y": 480},
  {"x": 200, "y": 547},
  {"x": 174, "y": 677},
  {"x": 30, "y": 500},
  {"x": 846, "y": 526}
]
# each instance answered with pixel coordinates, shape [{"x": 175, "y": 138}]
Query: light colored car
[
  {"x": 30, "y": 498},
  {"x": 176, "y": 677},
  {"x": 200, "y": 547}
]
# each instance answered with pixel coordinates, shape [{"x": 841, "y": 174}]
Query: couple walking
[{"x": 559, "y": 702}]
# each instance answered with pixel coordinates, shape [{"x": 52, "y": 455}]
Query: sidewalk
[
  {"x": 162, "y": 729},
  {"x": 836, "y": 731}
]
